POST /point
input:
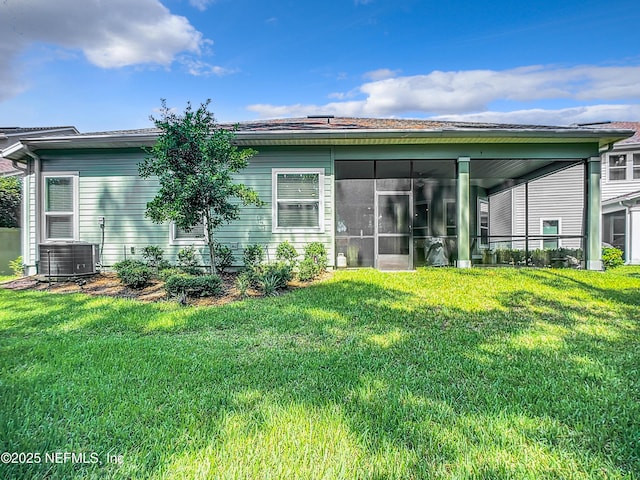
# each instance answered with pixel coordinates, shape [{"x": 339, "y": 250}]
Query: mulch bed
[{"x": 108, "y": 284}]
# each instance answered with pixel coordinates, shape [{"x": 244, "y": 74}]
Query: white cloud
[
  {"x": 380, "y": 74},
  {"x": 198, "y": 68},
  {"x": 111, "y": 34},
  {"x": 201, "y": 4},
  {"x": 562, "y": 116},
  {"x": 472, "y": 92}
]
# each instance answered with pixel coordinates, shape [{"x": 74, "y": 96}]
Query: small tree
[
  {"x": 10, "y": 195},
  {"x": 194, "y": 160}
]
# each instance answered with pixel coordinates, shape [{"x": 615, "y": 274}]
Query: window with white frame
[
  {"x": 617, "y": 167},
  {"x": 298, "y": 200},
  {"x": 60, "y": 209},
  {"x": 483, "y": 223},
  {"x": 450, "y": 217},
  {"x": 636, "y": 166},
  {"x": 550, "y": 227},
  {"x": 181, "y": 236}
]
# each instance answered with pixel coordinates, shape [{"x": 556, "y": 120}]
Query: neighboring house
[
  {"x": 12, "y": 135},
  {"x": 556, "y": 202},
  {"x": 12, "y": 238},
  {"x": 552, "y": 205},
  {"x": 384, "y": 193},
  {"x": 621, "y": 193}
]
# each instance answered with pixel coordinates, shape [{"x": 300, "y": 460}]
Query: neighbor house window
[
  {"x": 298, "y": 200},
  {"x": 182, "y": 236},
  {"x": 636, "y": 166},
  {"x": 483, "y": 223},
  {"x": 60, "y": 206},
  {"x": 617, "y": 167},
  {"x": 450, "y": 217},
  {"x": 550, "y": 227},
  {"x": 614, "y": 226}
]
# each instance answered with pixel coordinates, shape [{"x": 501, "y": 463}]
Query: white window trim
[
  {"x": 76, "y": 202},
  {"x": 542, "y": 220},
  {"x": 633, "y": 166},
  {"x": 628, "y": 168},
  {"x": 479, "y": 223},
  {"x": 274, "y": 200},
  {"x": 185, "y": 241},
  {"x": 448, "y": 201}
]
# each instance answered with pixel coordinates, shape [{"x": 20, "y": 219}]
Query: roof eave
[
  {"x": 377, "y": 137},
  {"x": 603, "y": 137},
  {"x": 15, "y": 152}
]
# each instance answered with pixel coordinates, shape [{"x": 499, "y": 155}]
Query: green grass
[{"x": 440, "y": 373}]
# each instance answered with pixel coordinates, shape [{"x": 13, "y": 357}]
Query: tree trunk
[{"x": 211, "y": 242}]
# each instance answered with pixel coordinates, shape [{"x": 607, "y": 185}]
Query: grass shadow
[{"x": 426, "y": 375}]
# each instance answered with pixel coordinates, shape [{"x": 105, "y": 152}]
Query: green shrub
[
  {"x": 287, "y": 253},
  {"x": 253, "y": 256},
  {"x": 187, "y": 257},
  {"x": 318, "y": 253},
  {"x": 271, "y": 277},
  {"x": 269, "y": 284},
  {"x": 133, "y": 273},
  {"x": 224, "y": 256},
  {"x": 243, "y": 282},
  {"x": 308, "y": 270},
  {"x": 153, "y": 255},
  {"x": 612, "y": 257},
  {"x": 314, "y": 263},
  {"x": 191, "y": 270},
  {"x": 193, "y": 286},
  {"x": 165, "y": 273},
  {"x": 17, "y": 266},
  {"x": 541, "y": 258}
]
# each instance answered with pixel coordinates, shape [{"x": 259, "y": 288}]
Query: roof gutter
[{"x": 604, "y": 138}]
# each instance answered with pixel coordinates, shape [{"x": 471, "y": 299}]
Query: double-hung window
[
  {"x": 483, "y": 223},
  {"x": 60, "y": 212},
  {"x": 617, "y": 167},
  {"x": 550, "y": 227},
  {"x": 450, "y": 217},
  {"x": 180, "y": 236},
  {"x": 298, "y": 200},
  {"x": 624, "y": 166}
]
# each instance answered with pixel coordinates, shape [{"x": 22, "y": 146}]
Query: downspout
[{"x": 37, "y": 169}]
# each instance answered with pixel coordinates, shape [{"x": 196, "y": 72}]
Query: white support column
[{"x": 593, "y": 242}]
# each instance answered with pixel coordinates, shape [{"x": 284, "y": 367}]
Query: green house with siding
[{"x": 390, "y": 194}]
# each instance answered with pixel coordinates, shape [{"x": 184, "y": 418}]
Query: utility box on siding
[{"x": 67, "y": 259}]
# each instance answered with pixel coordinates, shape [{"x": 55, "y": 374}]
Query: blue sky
[{"x": 105, "y": 65}]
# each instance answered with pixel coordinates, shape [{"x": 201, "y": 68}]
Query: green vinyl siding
[{"x": 109, "y": 187}]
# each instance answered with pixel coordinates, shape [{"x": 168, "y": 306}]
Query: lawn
[{"x": 440, "y": 373}]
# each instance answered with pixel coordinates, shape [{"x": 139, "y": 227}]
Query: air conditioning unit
[{"x": 67, "y": 259}]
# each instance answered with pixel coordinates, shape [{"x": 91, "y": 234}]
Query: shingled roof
[
  {"x": 26, "y": 130},
  {"x": 330, "y": 130},
  {"x": 329, "y": 122},
  {"x": 627, "y": 126}
]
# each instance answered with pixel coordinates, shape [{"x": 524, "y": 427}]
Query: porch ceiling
[{"x": 496, "y": 175}]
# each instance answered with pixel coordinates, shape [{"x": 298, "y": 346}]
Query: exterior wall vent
[{"x": 67, "y": 259}]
